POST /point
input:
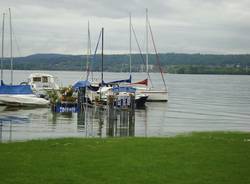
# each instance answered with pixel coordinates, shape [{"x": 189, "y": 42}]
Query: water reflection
[
  {"x": 3, "y": 124},
  {"x": 25, "y": 123},
  {"x": 120, "y": 123},
  {"x": 98, "y": 122}
]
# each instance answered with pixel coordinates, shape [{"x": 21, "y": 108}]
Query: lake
[{"x": 196, "y": 103}]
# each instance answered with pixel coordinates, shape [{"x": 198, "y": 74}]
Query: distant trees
[{"x": 170, "y": 62}]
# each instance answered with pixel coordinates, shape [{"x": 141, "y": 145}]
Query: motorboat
[
  {"x": 16, "y": 95},
  {"x": 20, "y": 95},
  {"x": 140, "y": 98},
  {"x": 42, "y": 82}
]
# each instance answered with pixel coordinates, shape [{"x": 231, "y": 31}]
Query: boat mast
[
  {"x": 11, "y": 54},
  {"x": 2, "y": 48},
  {"x": 130, "y": 44},
  {"x": 146, "y": 40},
  {"x": 102, "y": 54},
  {"x": 141, "y": 54},
  {"x": 102, "y": 33},
  {"x": 87, "y": 56}
]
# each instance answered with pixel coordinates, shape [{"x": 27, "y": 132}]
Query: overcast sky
[{"x": 180, "y": 26}]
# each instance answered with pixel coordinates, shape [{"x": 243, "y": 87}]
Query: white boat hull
[
  {"x": 155, "y": 95},
  {"x": 23, "y": 100}
]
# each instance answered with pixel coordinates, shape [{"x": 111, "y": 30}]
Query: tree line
[{"x": 170, "y": 62}]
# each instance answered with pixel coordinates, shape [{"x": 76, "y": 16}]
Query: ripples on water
[{"x": 196, "y": 103}]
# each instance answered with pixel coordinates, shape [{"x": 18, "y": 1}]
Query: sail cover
[
  {"x": 119, "y": 81},
  {"x": 81, "y": 84},
  {"x": 143, "y": 82}
]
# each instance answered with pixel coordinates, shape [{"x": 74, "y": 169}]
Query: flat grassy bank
[{"x": 198, "y": 158}]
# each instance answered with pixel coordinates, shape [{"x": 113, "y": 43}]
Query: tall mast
[
  {"x": 130, "y": 44},
  {"x": 102, "y": 33},
  {"x": 146, "y": 40},
  {"x": 11, "y": 54},
  {"x": 87, "y": 56},
  {"x": 2, "y": 48},
  {"x": 102, "y": 53},
  {"x": 89, "y": 50}
]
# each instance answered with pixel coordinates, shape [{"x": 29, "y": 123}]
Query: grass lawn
[{"x": 199, "y": 158}]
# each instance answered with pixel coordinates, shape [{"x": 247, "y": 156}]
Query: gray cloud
[{"x": 60, "y": 26}]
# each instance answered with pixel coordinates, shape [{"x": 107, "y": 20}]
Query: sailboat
[
  {"x": 100, "y": 90},
  {"x": 156, "y": 95},
  {"x": 16, "y": 95}
]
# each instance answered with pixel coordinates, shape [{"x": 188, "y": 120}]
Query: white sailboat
[
  {"x": 16, "y": 95},
  {"x": 156, "y": 95}
]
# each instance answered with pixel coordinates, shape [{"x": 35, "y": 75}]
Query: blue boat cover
[
  {"x": 15, "y": 89},
  {"x": 124, "y": 89},
  {"x": 119, "y": 81},
  {"x": 81, "y": 84}
]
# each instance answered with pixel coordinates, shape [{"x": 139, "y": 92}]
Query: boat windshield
[
  {"x": 45, "y": 79},
  {"x": 36, "y": 79}
]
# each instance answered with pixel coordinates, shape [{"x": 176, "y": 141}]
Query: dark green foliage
[
  {"x": 171, "y": 62},
  {"x": 203, "y": 69},
  {"x": 206, "y": 158}
]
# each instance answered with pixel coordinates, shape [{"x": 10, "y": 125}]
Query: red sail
[{"x": 143, "y": 82}]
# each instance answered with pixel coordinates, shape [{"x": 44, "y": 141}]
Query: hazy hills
[{"x": 171, "y": 62}]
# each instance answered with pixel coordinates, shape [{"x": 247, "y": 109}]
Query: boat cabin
[{"x": 42, "y": 81}]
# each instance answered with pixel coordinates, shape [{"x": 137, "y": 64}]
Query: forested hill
[{"x": 171, "y": 62}]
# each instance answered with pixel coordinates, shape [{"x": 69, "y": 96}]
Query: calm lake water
[{"x": 196, "y": 103}]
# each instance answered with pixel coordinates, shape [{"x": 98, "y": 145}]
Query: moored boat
[
  {"x": 16, "y": 95},
  {"x": 20, "y": 95},
  {"x": 154, "y": 94},
  {"x": 140, "y": 99},
  {"x": 42, "y": 82}
]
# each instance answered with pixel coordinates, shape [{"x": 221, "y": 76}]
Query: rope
[
  {"x": 94, "y": 57},
  {"x": 157, "y": 55},
  {"x": 144, "y": 62}
]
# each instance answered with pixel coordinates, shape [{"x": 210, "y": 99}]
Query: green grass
[{"x": 200, "y": 158}]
